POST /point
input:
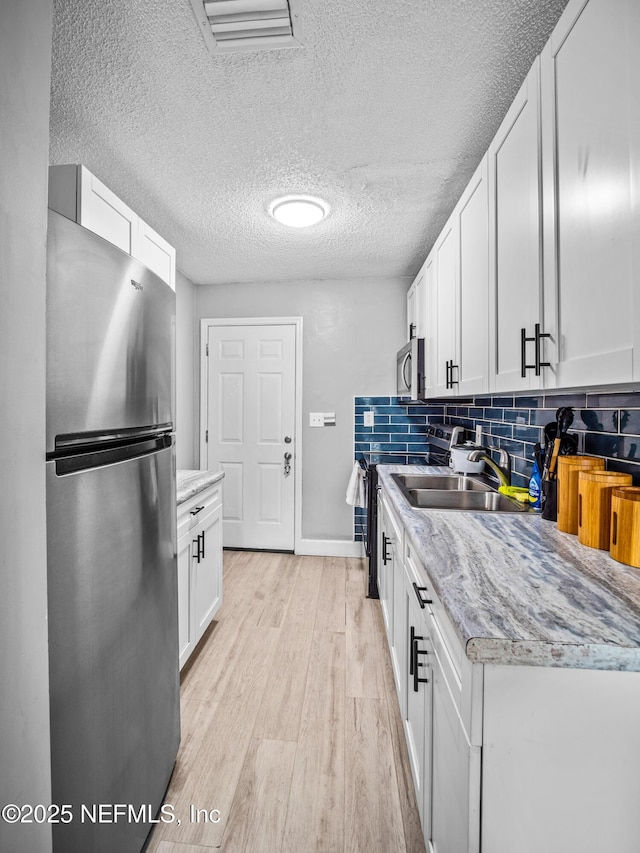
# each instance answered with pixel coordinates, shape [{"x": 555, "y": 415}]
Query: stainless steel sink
[
  {"x": 464, "y": 500},
  {"x": 454, "y": 493},
  {"x": 418, "y": 481}
]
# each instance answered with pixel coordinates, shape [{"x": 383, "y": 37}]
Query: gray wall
[
  {"x": 25, "y": 66},
  {"x": 186, "y": 374},
  {"x": 352, "y": 330}
]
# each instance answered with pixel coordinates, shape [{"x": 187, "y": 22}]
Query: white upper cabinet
[
  {"x": 457, "y": 293},
  {"x": 416, "y": 315},
  {"x": 472, "y": 315},
  {"x": 591, "y": 155},
  {"x": 430, "y": 305},
  {"x": 154, "y": 251},
  {"x": 517, "y": 348},
  {"x": 77, "y": 194},
  {"x": 446, "y": 282},
  {"x": 534, "y": 282}
]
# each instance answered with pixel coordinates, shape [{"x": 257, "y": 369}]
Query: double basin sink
[{"x": 461, "y": 493}]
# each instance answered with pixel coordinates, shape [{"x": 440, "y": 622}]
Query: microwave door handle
[{"x": 407, "y": 361}]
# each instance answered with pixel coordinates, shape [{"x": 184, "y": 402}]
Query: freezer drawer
[{"x": 113, "y": 644}]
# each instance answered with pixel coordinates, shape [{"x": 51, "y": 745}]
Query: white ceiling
[{"x": 385, "y": 113}]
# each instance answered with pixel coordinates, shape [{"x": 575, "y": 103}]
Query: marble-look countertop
[
  {"x": 189, "y": 483},
  {"x": 519, "y": 591}
]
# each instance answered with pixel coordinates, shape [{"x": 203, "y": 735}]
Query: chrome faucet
[{"x": 502, "y": 469}]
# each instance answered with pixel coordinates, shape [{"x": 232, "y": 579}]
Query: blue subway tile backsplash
[{"x": 606, "y": 424}]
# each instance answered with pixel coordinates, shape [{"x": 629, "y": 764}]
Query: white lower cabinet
[
  {"x": 385, "y": 569},
  {"x": 199, "y": 566},
  {"x": 390, "y": 543},
  {"x": 444, "y": 764},
  {"x": 454, "y": 786},
  {"x": 560, "y": 760},
  {"x": 509, "y": 758},
  {"x": 418, "y": 702}
]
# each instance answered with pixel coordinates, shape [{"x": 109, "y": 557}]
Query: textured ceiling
[{"x": 385, "y": 113}]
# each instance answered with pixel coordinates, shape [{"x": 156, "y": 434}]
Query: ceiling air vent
[{"x": 229, "y": 25}]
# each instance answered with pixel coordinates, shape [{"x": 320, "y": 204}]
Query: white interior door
[{"x": 251, "y": 431}]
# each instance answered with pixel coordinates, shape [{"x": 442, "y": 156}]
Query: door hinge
[
  {"x": 206, "y": 436},
  {"x": 206, "y": 349}
]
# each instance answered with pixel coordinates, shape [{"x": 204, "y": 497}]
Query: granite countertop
[
  {"x": 189, "y": 483},
  {"x": 519, "y": 591}
]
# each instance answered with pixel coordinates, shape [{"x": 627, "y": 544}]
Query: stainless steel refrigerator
[{"x": 111, "y": 555}]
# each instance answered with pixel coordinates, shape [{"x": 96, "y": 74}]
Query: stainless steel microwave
[{"x": 410, "y": 370}]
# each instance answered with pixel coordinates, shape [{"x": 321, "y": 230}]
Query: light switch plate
[
  {"x": 368, "y": 418},
  {"x": 316, "y": 419}
]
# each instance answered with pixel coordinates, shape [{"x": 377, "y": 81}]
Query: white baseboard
[{"x": 330, "y": 548}]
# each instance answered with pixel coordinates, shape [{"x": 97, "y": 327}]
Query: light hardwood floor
[{"x": 292, "y": 740}]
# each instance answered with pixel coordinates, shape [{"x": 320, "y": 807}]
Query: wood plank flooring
[{"x": 292, "y": 740}]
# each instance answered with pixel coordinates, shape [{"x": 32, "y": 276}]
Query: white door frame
[{"x": 205, "y": 325}]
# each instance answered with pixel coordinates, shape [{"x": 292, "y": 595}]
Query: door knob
[
  {"x": 287, "y": 464},
  {"x": 287, "y": 439}
]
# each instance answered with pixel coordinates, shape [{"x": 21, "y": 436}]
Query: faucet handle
[
  {"x": 504, "y": 460},
  {"x": 502, "y": 453}
]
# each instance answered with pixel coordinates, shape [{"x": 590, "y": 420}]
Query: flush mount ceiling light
[{"x": 298, "y": 211}]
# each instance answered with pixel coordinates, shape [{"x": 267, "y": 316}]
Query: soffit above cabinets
[{"x": 236, "y": 25}]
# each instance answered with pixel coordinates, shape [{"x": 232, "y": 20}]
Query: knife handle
[{"x": 554, "y": 458}]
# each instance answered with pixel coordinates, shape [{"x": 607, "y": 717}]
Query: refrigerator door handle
[{"x": 85, "y": 459}]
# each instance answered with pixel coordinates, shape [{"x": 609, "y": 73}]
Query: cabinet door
[
  {"x": 411, "y": 312},
  {"x": 454, "y": 825},
  {"x": 387, "y": 549},
  {"x": 185, "y": 630},
  {"x": 207, "y": 571},
  {"x": 591, "y": 129},
  {"x": 419, "y": 699},
  {"x": 430, "y": 330},
  {"x": 516, "y": 241},
  {"x": 102, "y": 212},
  {"x": 154, "y": 251},
  {"x": 399, "y": 645},
  {"x": 446, "y": 250},
  {"x": 472, "y": 334},
  {"x": 416, "y": 307}
]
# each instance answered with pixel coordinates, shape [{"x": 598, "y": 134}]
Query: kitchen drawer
[{"x": 199, "y": 507}]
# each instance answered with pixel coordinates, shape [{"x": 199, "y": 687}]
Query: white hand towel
[{"x": 355, "y": 489}]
